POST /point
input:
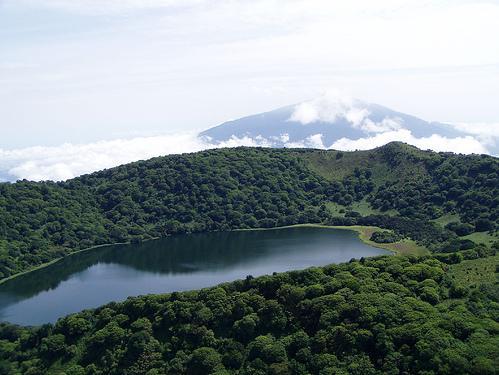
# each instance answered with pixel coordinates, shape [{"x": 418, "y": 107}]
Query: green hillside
[
  {"x": 392, "y": 162},
  {"x": 396, "y": 187},
  {"x": 430, "y": 314},
  {"x": 387, "y": 315}
]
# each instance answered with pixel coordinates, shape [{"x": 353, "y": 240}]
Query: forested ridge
[
  {"x": 385, "y": 315},
  {"x": 404, "y": 188},
  {"x": 433, "y": 314}
]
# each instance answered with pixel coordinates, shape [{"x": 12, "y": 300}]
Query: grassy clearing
[
  {"x": 336, "y": 165},
  {"x": 362, "y": 207},
  {"x": 407, "y": 247},
  {"x": 446, "y": 219},
  {"x": 482, "y": 237},
  {"x": 336, "y": 209},
  {"x": 403, "y": 247},
  {"x": 478, "y": 237},
  {"x": 476, "y": 271}
]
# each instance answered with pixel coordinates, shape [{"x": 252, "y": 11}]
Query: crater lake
[{"x": 95, "y": 277}]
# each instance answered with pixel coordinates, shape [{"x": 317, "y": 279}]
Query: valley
[
  {"x": 396, "y": 187},
  {"x": 234, "y": 187},
  {"x": 295, "y": 240}
]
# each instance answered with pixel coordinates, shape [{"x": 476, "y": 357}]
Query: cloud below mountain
[
  {"x": 71, "y": 160},
  {"x": 331, "y": 121},
  {"x": 464, "y": 145}
]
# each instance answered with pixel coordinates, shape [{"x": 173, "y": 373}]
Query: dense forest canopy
[
  {"x": 386, "y": 315},
  {"x": 433, "y": 314},
  {"x": 251, "y": 188}
]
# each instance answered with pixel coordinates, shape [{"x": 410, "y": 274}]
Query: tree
[
  {"x": 483, "y": 225},
  {"x": 53, "y": 346},
  {"x": 204, "y": 361}
]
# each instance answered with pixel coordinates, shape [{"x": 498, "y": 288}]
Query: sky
[{"x": 82, "y": 74}]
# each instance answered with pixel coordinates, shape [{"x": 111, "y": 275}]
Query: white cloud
[
  {"x": 329, "y": 107},
  {"x": 305, "y": 113},
  {"x": 333, "y": 106},
  {"x": 486, "y": 133},
  {"x": 385, "y": 125},
  {"x": 175, "y": 67},
  {"x": 356, "y": 115},
  {"x": 463, "y": 145},
  {"x": 312, "y": 141},
  {"x": 482, "y": 129},
  {"x": 71, "y": 160},
  {"x": 107, "y": 6}
]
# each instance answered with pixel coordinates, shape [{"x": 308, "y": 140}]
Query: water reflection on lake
[{"x": 92, "y": 278}]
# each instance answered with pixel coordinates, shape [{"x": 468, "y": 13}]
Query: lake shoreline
[
  {"x": 53, "y": 261},
  {"x": 403, "y": 247},
  {"x": 172, "y": 264},
  {"x": 364, "y": 234}
]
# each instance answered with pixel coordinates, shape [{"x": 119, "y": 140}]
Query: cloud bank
[
  {"x": 463, "y": 145},
  {"x": 70, "y": 160},
  {"x": 335, "y": 107}
]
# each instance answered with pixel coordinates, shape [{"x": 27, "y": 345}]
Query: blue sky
[{"x": 85, "y": 71}]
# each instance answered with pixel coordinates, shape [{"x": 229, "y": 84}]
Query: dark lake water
[{"x": 92, "y": 278}]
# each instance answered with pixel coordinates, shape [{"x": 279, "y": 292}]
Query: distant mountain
[{"x": 327, "y": 120}]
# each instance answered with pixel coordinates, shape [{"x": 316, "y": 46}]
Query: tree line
[
  {"x": 384, "y": 315},
  {"x": 245, "y": 188}
]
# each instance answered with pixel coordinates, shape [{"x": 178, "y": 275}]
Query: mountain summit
[{"x": 332, "y": 121}]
